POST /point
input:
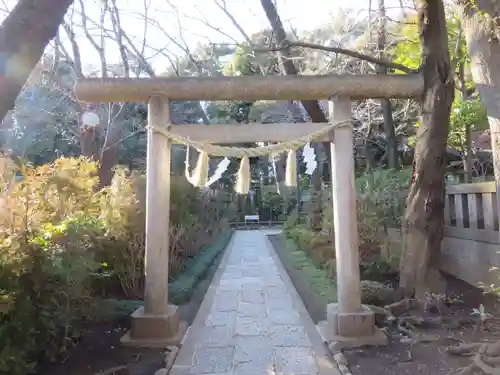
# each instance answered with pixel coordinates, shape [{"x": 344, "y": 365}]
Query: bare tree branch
[
  {"x": 117, "y": 28},
  {"x": 99, "y": 49},
  {"x": 218, "y": 29},
  {"x": 344, "y": 51},
  {"x": 123, "y": 139},
  {"x": 75, "y": 49},
  {"x": 183, "y": 46},
  {"x": 221, "y": 4},
  {"x": 129, "y": 49},
  {"x": 147, "y": 4}
]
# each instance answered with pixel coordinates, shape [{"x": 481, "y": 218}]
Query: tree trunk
[
  {"x": 288, "y": 67},
  {"x": 468, "y": 169},
  {"x": 24, "y": 34},
  {"x": 467, "y": 143},
  {"x": 484, "y": 51},
  {"x": 392, "y": 156},
  {"x": 423, "y": 219},
  {"x": 109, "y": 153},
  {"x": 88, "y": 147},
  {"x": 315, "y": 214},
  {"x": 311, "y": 106}
]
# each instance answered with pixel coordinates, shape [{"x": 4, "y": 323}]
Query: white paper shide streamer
[
  {"x": 273, "y": 158},
  {"x": 219, "y": 171},
  {"x": 200, "y": 173},
  {"x": 309, "y": 157}
]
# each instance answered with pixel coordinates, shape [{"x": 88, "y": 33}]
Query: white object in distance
[{"x": 90, "y": 118}]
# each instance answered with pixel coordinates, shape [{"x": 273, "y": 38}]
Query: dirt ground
[
  {"x": 421, "y": 358},
  {"x": 99, "y": 350},
  {"x": 402, "y": 355}
]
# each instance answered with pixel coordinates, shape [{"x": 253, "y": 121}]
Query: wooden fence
[
  {"x": 471, "y": 247},
  {"x": 471, "y": 212},
  {"x": 471, "y": 244}
]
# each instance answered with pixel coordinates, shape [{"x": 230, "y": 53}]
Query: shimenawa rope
[
  {"x": 240, "y": 152},
  {"x": 200, "y": 173}
]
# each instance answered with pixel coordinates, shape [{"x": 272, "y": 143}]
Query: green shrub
[
  {"x": 318, "y": 278},
  {"x": 195, "y": 220},
  {"x": 377, "y": 268},
  {"x": 380, "y": 204},
  {"x": 64, "y": 245},
  {"x": 383, "y": 193},
  {"x": 317, "y": 244},
  {"x": 376, "y": 293},
  {"x": 291, "y": 222},
  {"x": 46, "y": 240}
]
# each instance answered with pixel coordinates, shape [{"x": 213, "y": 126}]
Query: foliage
[
  {"x": 377, "y": 268},
  {"x": 45, "y": 259},
  {"x": 376, "y": 293},
  {"x": 317, "y": 244},
  {"x": 481, "y": 313},
  {"x": 470, "y": 112},
  {"x": 63, "y": 246},
  {"x": 101, "y": 310},
  {"x": 408, "y": 51},
  {"x": 274, "y": 206},
  {"x": 321, "y": 283},
  {"x": 242, "y": 63},
  {"x": 383, "y": 192},
  {"x": 181, "y": 289},
  {"x": 380, "y": 204},
  {"x": 121, "y": 246},
  {"x": 230, "y": 111}
]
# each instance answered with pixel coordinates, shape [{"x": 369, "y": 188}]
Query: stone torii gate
[{"x": 157, "y": 323}]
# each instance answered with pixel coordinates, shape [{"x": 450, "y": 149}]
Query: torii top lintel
[{"x": 251, "y": 87}]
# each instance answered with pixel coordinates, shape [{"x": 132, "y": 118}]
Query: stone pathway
[{"x": 252, "y": 320}]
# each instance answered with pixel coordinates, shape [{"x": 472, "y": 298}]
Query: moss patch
[{"x": 317, "y": 277}]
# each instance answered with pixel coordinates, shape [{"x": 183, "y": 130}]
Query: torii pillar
[
  {"x": 348, "y": 323},
  {"x": 157, "y": 323}
]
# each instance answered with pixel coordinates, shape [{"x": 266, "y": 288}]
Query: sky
[
  {"x": 186, "y": 21},
  {"x": 301, "y": 14}
]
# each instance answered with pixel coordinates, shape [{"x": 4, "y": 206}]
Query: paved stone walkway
[{"x": 252, "y": 320}]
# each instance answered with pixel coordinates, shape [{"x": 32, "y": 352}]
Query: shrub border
[
  {"x": 180, "y": 289},
  {"x": 312, "y": 297}
]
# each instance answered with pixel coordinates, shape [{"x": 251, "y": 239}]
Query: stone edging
[
  {"x": 169, "y": 359},
  {"x": 341, "y": 362},
  {"x": 188, "y": 342}
]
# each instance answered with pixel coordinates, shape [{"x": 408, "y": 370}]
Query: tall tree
[
  {"x": 466, "y": 115},
  {"x": 481, "y": 24},
  {"x": 424, "y": 216},
  {"x": 392, "y": 157},
  {"x": 24, "y": 34}
]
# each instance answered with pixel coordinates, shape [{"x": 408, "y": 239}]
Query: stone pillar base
[
  {"x": 350, "y": 330},
  {"x": 155, "y": 331}
]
